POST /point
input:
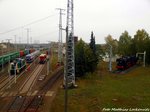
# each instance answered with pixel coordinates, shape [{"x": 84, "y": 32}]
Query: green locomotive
[
  {"x": 12, "y": 56},
  {"x": 17, "y": 66}
]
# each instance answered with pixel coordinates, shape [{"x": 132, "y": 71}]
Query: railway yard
[{"x": 29, "y": 89}]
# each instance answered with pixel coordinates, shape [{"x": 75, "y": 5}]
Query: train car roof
[
  {"x": 42, "y": 54},
  {"x": 33, "y": 53},
  {"x": 28, "y": 55}
]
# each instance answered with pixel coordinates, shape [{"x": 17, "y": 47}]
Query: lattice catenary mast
[
  {"x": 60, "y": 45},
  {"x": 69, "y": 76}
]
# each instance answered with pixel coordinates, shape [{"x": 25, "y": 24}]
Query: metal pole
[
  {"x": 30, "y": 40},
  {"x": 15, "y": 73},
  {"x": 50, "y": 53},
  {"x": 60, "y": 36},
  {"x": 2, "y": 47},
  {"x": 9, "y": 72},
  {"x": 27, "y": 37},
  {"x": 2, "y": 58},
  {"x": 65, "y": 75},
  {"x": 110, "y": 58},
  {"x": 2, "y": 64},
  {"x": 144, "y": 57},
  {"x": 48, "y": 63},
  {"x": 9, "y": 44},
  {"x": 48, "y": 66},
  {"x": 15, "y": 43}
]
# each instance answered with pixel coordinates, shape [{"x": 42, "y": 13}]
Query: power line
[
  {"x": 45, "y": 34},
  {"x": 39, "y": 20}
]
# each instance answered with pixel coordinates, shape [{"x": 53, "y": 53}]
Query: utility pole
[
  {"x": 9, "y": 61},
  {"x": 27, "y": 37},
  {"x": 19, "y": 40},
  {"x": 2, "y": 58},
  {"x": 48, "y": 63},
  {"x": 144, "y": 58},
  {"x": 15, "y": 74},
  {"x": 15, "y": 42},
  {"x": 30, "y": 40},
  {"x": 2, "y": 47},
  {"x": 110, "y": 57},
  {"x": 9, "y": 44},
  {"x": 60, "y": 36}
]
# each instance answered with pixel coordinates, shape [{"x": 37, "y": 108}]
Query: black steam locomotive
[{"x": 126, "y": 62}]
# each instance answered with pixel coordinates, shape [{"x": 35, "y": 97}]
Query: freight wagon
[{"x": 11, "y": 56}]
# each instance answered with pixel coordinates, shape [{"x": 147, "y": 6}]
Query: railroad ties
[
  {"x": 125, "y": 71},
  {"x": 32, "y": 100},
  {"x": 29, "y": 102},
  {"x": 12, "y": 94}
]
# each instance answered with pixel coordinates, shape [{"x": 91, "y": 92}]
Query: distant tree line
[
  {"x": 86, "y": 56},
  {"x": 126, "y": 45}
]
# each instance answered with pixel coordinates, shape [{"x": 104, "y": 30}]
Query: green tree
[
  {"x": 141, "y": 43},
  {"x": 80, "y": 64},
  {"x": 86, "y": 57},
  {"x": 90, "y": 60},
  {"x": 113, "y": 42},
  {"x": 100, "y": 52},
  {"x": 94, "y": 54},
  {"x": 124, "y": 44},
  {"x": 92, "y": 43},
  {"x": 140, "y": 40}
]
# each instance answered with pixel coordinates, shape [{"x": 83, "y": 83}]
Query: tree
[
  {"x": 124, "y": 44},
  {"x": 92, "y": 43},
  {"x": 140, "y": 40},
  {"x": 113, "y": 42},
  {"x": 86, "y": 57},
  {"x": 80, "y": 58},
  {"x": 95, "y": 54},
  {"x": 142, "y": 43}
]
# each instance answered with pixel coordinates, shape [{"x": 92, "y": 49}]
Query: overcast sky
[{"x": 103, "y": 17}]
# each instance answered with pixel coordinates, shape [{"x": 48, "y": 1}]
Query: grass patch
[{"x": 107, "y": 90}]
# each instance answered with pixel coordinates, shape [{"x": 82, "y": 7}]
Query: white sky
[{"x": 103, "y": 17}]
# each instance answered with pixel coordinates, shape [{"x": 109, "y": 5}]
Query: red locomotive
[{"x": 42, "y": 58}]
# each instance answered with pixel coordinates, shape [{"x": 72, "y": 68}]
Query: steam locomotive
[{"x": 126, "y": 62}]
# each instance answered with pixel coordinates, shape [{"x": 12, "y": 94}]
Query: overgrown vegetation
[{"x": 103, "y": 89}]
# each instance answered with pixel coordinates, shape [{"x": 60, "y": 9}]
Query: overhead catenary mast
[
  {"x": 60, "y": 45},
  {"x": 69, "y": 70},
  {"x": 69, "y": 76}
]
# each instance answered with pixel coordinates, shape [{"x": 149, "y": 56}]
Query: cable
[
  {"x": 45, "y": 34},
  {"x": 28, "y": 24}
]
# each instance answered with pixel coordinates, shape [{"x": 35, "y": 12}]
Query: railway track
[
  {"x": 37, "y": 100},
  {"x": 7, "y": 81},
  {"x": 2, "y": 79},
  {"x": 25, "y": 89},
  {"x": 125, "y": 71},
  {"x": 31, "y": 103}
]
